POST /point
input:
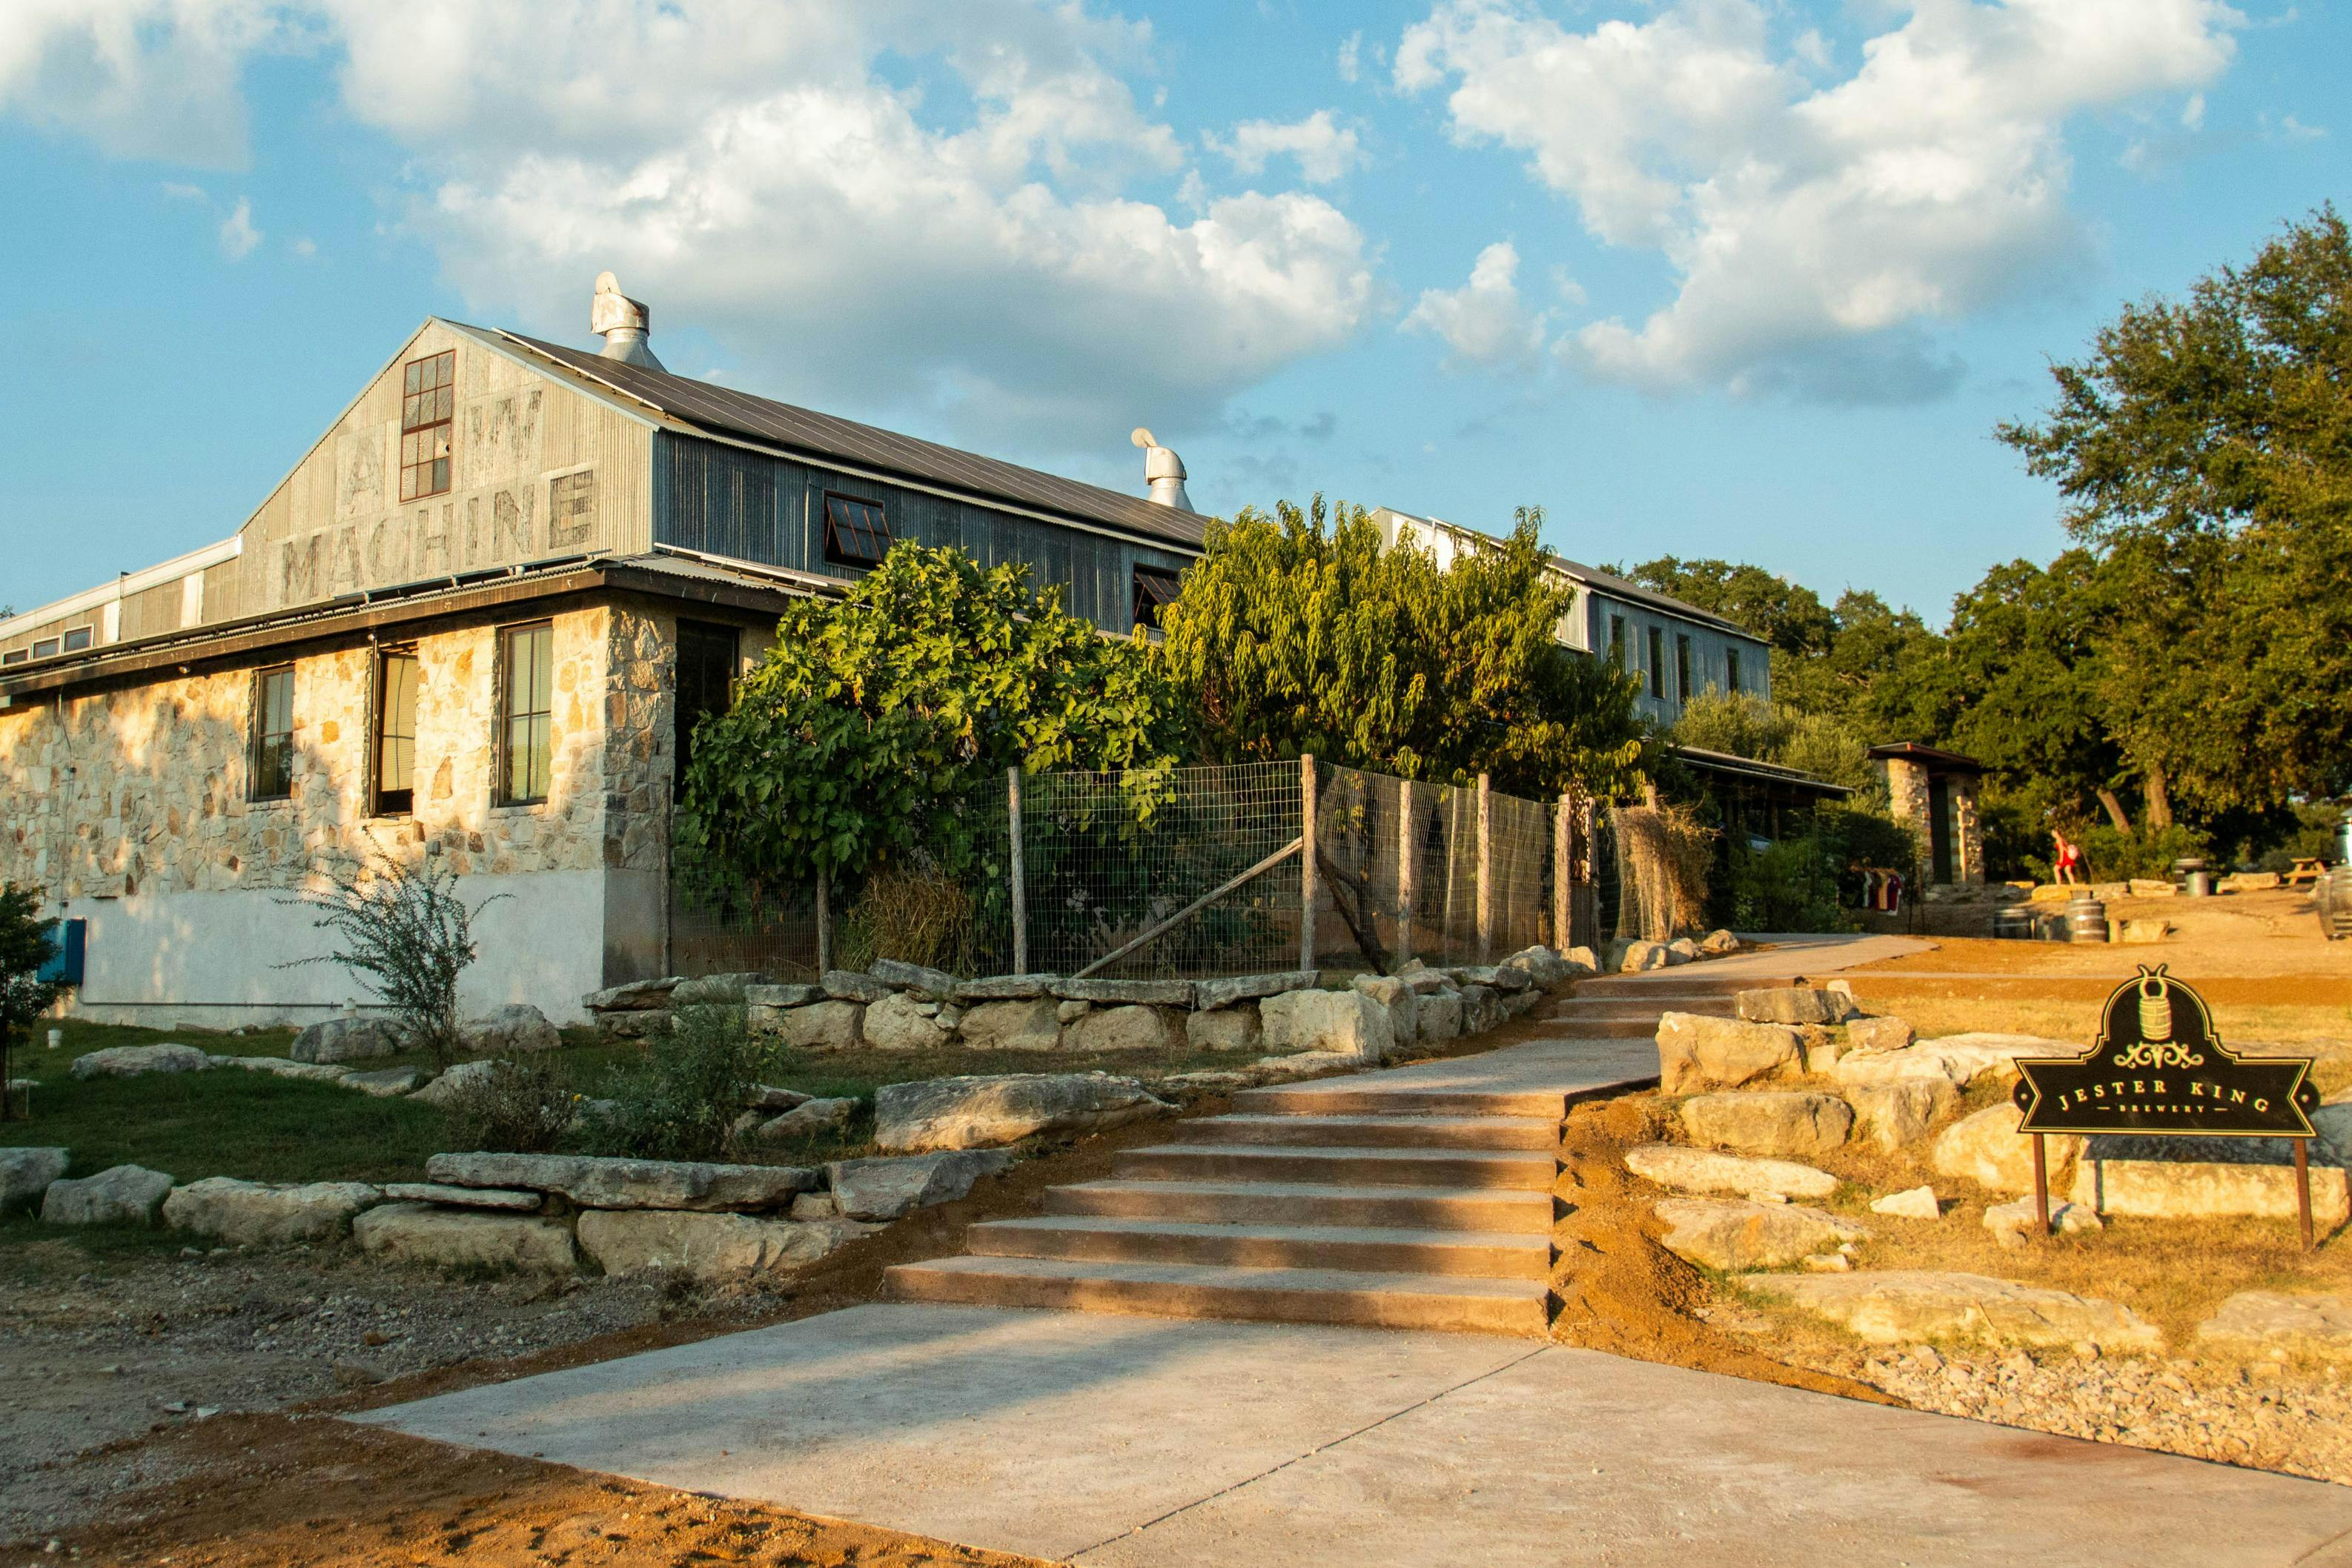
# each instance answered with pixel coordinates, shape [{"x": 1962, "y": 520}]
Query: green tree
[
  {"x": 849, "y": 746},
  {"x": 1298, "y": 633},
  {"x": 1788, "y": 616},
  {"x": 25, "y": 946}
]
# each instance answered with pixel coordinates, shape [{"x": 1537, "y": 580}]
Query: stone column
[
  {"x": 1967, "y": 832},
  {"x": 1906, "y": 792}
]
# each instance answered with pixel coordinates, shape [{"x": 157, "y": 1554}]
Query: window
[
  {"x": 427, "y": 398},
  {"x": 1657, "y": 663},
  {"x": 1731, "y": 661},
  {"x": 1155, "y": 591},
  {"x": 273, "y": 734},
  {"x": 1617, "y": 641},
  {"x": 15, "y": 657},
  {"x": 526, "y": 708},
  {"x": 77, "y": 639},
  {"x": 395, "y": 733},
  {"x": 855, "y": 532},
  {"x": 707, "y": 658},
  {"x": 45, "y": 648},
  {"x": 1681, "y": 668}
]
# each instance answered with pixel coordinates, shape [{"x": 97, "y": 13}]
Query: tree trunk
[
  {"x": 1359, "y": 920},
  {"x": 2115, "y": 810},
  {"x": 2159, "y": 799}
]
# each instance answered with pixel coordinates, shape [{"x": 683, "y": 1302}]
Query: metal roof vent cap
[
  {"x": 1163, "y": 471},
  {"x": 623, "y": 323}
]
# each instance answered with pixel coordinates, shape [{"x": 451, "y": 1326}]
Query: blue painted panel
[{"x": 72, "y": 937}]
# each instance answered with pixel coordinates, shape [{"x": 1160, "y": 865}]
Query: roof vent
[
  {"x": 623, "y": 323},
  {"x": 1163, "y": 471}
]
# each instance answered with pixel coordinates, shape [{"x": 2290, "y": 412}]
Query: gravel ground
[
  {"x": 121, "y": 1350},
  {"x": 2265, "y": 1415}
]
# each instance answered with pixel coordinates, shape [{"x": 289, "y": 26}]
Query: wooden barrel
[
  {"x": 2015, "y": 922},
  {"x": 2087, "y": 921}
]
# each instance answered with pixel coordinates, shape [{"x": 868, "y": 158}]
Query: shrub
[
  {"x": 1790, "y": 885},
  {"x": 2110, "y": 855},
  {"x": 915, "y": 914},
  {"x": 518, "y": 1107},
  {"x": 1663, "y": 853},
  {"x": 680, "y": 1101},
  {"x": 25, "y": 946}
]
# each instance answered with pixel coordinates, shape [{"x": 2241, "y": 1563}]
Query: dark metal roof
[
  {"x": 1748, "y": 767},
  {"x": 1936, "y": 761},
  {"x": 705, "y": 408}
]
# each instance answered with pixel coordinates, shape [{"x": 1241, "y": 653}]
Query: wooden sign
[{"x": 2159, "y": 1067}]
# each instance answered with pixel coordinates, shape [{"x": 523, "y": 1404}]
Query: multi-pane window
[
  {"x": 16, "y": 656},
  {"x": 77, "y": 639},
  {"x": 273, "y": 734},
  {"x": 1731, "y": 669},
  {"x": 526, "y": 712},
  {"x": 706, "y": 682},
  {"x": 855, "y": 532},
  {"x": 1617, "y": 641},
  {"x": 396, "y": 734},
  {"x": 1681, "y": 668},
  {"x": 1155, "y": 591},
  {"x": 428, "y": 390},
  {"x": 45, "y": 648},
  {"x": 1657, "y": 663}
]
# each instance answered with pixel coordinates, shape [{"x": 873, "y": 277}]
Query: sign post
[{"x": 2159, "y": 1069}]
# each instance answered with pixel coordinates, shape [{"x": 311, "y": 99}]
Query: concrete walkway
[{"x": 1147, "y": 1442}]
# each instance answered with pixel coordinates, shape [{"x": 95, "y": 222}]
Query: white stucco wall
[{"x": 215, "y": 960}]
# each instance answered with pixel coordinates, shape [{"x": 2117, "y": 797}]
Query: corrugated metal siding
[
  {"x": 725, "y": 501},
  {"x": 1710, "y": 650},
  {"x": 152, "y": 612}
]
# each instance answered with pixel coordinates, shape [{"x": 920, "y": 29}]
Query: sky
[{"x": 1745, "y": 278}]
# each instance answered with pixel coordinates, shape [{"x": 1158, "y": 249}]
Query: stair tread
[
  {"x": 1338, "y": 1153},
  {"x": 1527, "y": 1240},
  {"x": 1210, "y": 1188},
  {"x": 1403, "y": 1119},
  {"x": 1211, "y": 1276}
]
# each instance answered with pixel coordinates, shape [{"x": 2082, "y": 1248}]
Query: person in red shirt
[{"x": 2070, "y": 858}]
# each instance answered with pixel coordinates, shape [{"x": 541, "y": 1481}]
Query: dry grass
[{"x": 2324, "y": 1032}]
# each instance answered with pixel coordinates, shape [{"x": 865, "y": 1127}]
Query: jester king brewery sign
[{"x": 2158, "y": 1067}]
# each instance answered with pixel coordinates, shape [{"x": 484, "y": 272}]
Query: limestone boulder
[
  {"x": 1792, "y": 1004},
  {"x": 1483, "y": 1008},
  {"x": 1769, "y": 1122},
  {"x": 1584, "y": 959},
  {"x": 1438, "y": 1018},
  {"x": 27, "y": 1172},
  {"x": 2144, "y": 933},
  {"x": 138, "y": 1061},
  {"x": 710, "y": 1245},
  {"x": 1912, "y": 1203},
  {"x": 780, "y": 997},
  {"x": 1210, "y": 995},
  {"x": 488, "y": 1198},
  {"x": 1005, "y": 989},
  {"x": 1543, "y": 966},
  {"x": 1127, "y": 993},
  {"x": 639, "y": 1024},
  {"x": 977, "y": 1112},
  {"x": 1305, "y": 1064},
  {"x": 1682, "y": 950},
  {"x": 594, "y": 1181},
  {"x": 1117, "y": 1029},
  {"x": 1401, "y": 1001},
  {"x": 1914, "y": 1306},
  {"x": 454, "y": 1085},
  {"x": 516, "y": 1027},
  {"x": 1347, "y": 1023},
  {"x": 883, "y": 1189},
  {"x": 1987, "y": 1149},
  {"x": 2015, "y": 1224},
  {"x": 832, "y": 1025},
  {"x": 383, "y": 1082},
  {"x": 807, "y": 1120},
  {"x": 1023, "y": 1024},
  {"x": 849, "y": 986},
  {"x": 1718, "y": 943},
  {"x": 637, "y": 996},
  {"x": 287, "y": 1067},
  {"x": 2264, "y": 1323},
  {"x": 901, "y": 1022},
  {"x": 1732, "y": 1234},
  {"x": 1878, "y": 1034},
  {"x": 427, "y": 1235},
  {"x": 1640, "y": 956},
  {"x": 1697, "y": 1052},
  {"x": 1227, "y": 1028},
  {"x": 933, "y": 984},
  {"x": 1495, "y": 976},
  {"x": 1968, "y": 1058},
  {"x": 1899, "y": 1115},
  {"x": 769, "y": 1097},
  {"x": 349, "y": 1038},
  {"x": 1688, "y": 1170},
  {"x": 123, "y": 1195},
  {"x": 260, "y": 1214},
  {"x": 2187, "y": 1188}
]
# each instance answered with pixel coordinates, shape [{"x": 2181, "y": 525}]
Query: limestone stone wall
[{"x": 147, "y": 789}]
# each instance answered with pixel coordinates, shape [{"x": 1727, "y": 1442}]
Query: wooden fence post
[
  {"x": 1563, "y": 841},
  {"x": 1020, "y": 873},
  {"x": 1307, "y": 890},
  {"x": 1486, "y": 871},
  {"x": 1408, "y": 866},
  {"x": 824, "y": 923}
]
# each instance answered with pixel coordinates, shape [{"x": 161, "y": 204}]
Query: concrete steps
[
  {"x": 1371, "y": 1096},
  {"x": 1367, "y": 1132},
  {"x": 1374, "y": 1166},
  {"x": 1303, "y": 1203},
  {"x": 1363, "y": 1299},
  {"x": 1367, "y": 1249}
]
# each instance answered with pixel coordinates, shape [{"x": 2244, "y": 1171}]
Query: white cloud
[
  {"x": 1325, "y": 150},
  {"x": 1352, "y": 55},
  {"x": 1484, "y": 321},
  {"x": 179, "y": 192},
  {"x": 238, "y": 238},
  {"x": 306, "y": 247},
  {"x": 1816, "y": 233},
  {"x": 140, "y": 79},
  {"x": 752, "y": 169}
]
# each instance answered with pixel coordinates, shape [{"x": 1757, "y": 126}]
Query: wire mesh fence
[{"x": 1111, "y": 866}]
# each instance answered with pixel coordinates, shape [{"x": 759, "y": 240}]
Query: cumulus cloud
[
  {"x": 1482, "y": 323},
  {"x": 1325, "y": 150},
  {"x": 1817, "y": 229},
  {"x": 1352, "y": 55},
  {"x": 774, "y": 174},
  {"x": 238, "y": 238},
  {"x": 140, "y": 79}
]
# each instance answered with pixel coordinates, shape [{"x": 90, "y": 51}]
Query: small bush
[
  {"x": 1790, "y": 885},
  {"x": 518, "y": 1107},
  {"x": 680, "y": 1102},
  {"x": 2110, "y": 855},
  {"x": 915, "y": 914}
]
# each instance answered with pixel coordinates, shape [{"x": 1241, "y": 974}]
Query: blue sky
[{"x": 1699, "y": 277}]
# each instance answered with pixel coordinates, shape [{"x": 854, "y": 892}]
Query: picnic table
[{"x": 2306, "y": 871}]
